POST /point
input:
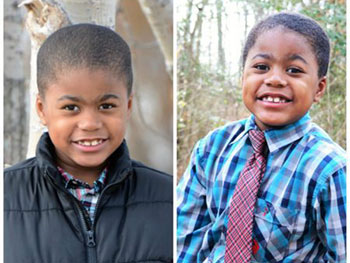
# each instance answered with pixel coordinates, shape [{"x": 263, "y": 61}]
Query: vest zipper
[
  {"x": 89, "y": 237},
  {"x": 89, "y": 234},
  {"x": 86, "y": 222}
]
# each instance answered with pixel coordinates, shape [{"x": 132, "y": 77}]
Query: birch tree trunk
[
  {"x": 221, "y": 51},
  {"x": 42, "y": 20},
  {"x": 15, "y": 92},
  {"x": 159, "y": 14},
  {"x": 150, "y": 129},
  {"x": 100, "y": 12}
]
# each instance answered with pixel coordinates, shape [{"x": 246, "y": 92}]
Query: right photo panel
[{"x": 261, "y": 131}]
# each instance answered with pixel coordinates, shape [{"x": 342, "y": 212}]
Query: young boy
[
  {"x": 82, "y": 199},
  {"x": 297, "y": 213}
]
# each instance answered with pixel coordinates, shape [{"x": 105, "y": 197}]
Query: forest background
[{"x": 210, "y": 37}]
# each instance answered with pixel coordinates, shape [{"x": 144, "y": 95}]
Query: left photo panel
[{"x": 88, "y": 131}]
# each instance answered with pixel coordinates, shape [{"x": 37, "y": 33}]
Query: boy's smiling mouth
[
  {"x": 274, "y": 98},
  {"x": 88, "y": 142}
]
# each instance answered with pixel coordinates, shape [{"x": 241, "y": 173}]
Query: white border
[
  {"x": 2, "y": 132},
  {"x": 174, "y": 128},
  {"x": 347, "y": 122}
]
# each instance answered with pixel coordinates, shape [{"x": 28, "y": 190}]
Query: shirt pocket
[{"x": 273, "y": 228}]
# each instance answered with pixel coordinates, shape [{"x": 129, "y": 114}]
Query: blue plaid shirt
[{"x": 300, "y": 211}]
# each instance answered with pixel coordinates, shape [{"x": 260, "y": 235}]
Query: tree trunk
[
  {"x": 159, "y": 14},
  {"x": 100, "y": 12},
  {"x": 221, "y": 51},
  {"x": 149, "y": 133},
  {"x": 43, "y": 19},
  {"x": 15, "y": 91}
]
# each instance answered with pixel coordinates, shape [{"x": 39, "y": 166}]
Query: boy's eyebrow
[
  {"x": 109, "y": 96},
  {"x": 297, "y": 57},
  {"x": 290, "y": 58},
  {"x": 262, "y": 55},
  {"x": 77, "y": 99},
  {"x": 70, "y": 97}
]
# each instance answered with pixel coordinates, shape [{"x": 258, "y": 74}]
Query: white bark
[
  {"x": 43, "y": 19},
  {"x": 159, "y": 14},
  {"x": 149, "y": 134},
  {"x": 100, "y": 12},
  {"x": 15, "y": 91}
]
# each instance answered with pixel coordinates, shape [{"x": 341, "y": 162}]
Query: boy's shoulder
[
  {"x": 151, "y": 184},
  {"x": 222, "y": 136},
  {"x": 322, "y": 142},
  {"x": 21, "y": 176},
  {"x": 231, "y": 128},
  {"x": 21, "y": 168},
  {"x": 21, "y": 181},
  {"x": 151, "y": 173}
]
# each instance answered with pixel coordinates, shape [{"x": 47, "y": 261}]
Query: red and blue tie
[{"x": 240, "y": 225}]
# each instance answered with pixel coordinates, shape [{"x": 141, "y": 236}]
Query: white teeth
[
  {"x": 90, "y": 143},
  {"x": 274, "y": 99}
]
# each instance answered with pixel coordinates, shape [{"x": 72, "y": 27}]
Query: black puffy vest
[{"x": 44, "y": 223}]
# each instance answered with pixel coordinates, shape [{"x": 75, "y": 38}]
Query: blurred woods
[
  {"x": 146, "y": 25},
  {"x": 210, "y": 36}
]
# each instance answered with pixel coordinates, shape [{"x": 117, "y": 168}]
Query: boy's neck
[{"x": 84, "y": 174}]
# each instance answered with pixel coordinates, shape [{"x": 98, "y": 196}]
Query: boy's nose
[
  {"x": 275, "y": 79},
  {"x": 89, "y": 122}
]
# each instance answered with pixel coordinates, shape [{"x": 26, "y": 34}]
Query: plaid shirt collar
[
  {"x": 278, "y": 138},
  {"x": 73, "y": 183}
]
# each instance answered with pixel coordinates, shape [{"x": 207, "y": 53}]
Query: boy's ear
[
  {"x": 39, "y": 103},
  {"x": 322, "y": 84},
  {"x": 130, "y": 99}
]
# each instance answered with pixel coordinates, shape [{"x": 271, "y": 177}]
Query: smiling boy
[
  {"x": 274, "y": 99},
  {"x": 82, "y": 199},
  {"x": 298, "y": 211},
  {"x": 85, "y": 127}
]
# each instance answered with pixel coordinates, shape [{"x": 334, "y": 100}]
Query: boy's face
[
  {"x": 86, "y": 113},
  {"x": 280, "y": 80}
]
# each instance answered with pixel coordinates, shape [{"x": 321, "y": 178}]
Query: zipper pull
[{"x": 91, "y": 241}]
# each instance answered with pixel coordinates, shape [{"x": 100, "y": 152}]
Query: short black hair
[
  {"x": 83, "y": 46},
  {"x": 305, "y": 26}
]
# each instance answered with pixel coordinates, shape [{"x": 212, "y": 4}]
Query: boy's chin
[
  {"x": 91, "y": 164},
  {"x": 272, "y": 124}
]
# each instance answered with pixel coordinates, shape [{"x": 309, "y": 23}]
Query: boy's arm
[
  {"x": 331, "y": 218},
  {"x": 192, "y": 214}
]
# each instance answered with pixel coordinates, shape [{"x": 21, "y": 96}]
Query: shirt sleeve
[
  {"x": 192, "y": 215},
  {"x": 331, "y": 219}
]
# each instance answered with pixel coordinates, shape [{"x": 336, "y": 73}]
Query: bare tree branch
[{"x": 159, "y": 14}]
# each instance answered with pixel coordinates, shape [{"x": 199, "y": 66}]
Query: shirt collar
[
  {"x": 277, "y": 138},
  {"x": 71, "y": 182}
]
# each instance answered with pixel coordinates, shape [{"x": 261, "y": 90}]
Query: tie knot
[{"x": 258, "y": 141}]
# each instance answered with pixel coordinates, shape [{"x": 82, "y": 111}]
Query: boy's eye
[
  {"x": 262, "y": 67},
  {"x": 71, "y": 108},
  {"x": 106, "y": 106},
  {"x": 294, "y": 70}
]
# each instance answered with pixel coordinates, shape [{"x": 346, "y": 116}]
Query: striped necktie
[{"x": 241, "y": 214}]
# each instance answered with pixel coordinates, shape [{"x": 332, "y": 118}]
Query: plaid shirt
[
  {"x": 82, "y": 191},
  {"x": 300, "y": 212}
]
